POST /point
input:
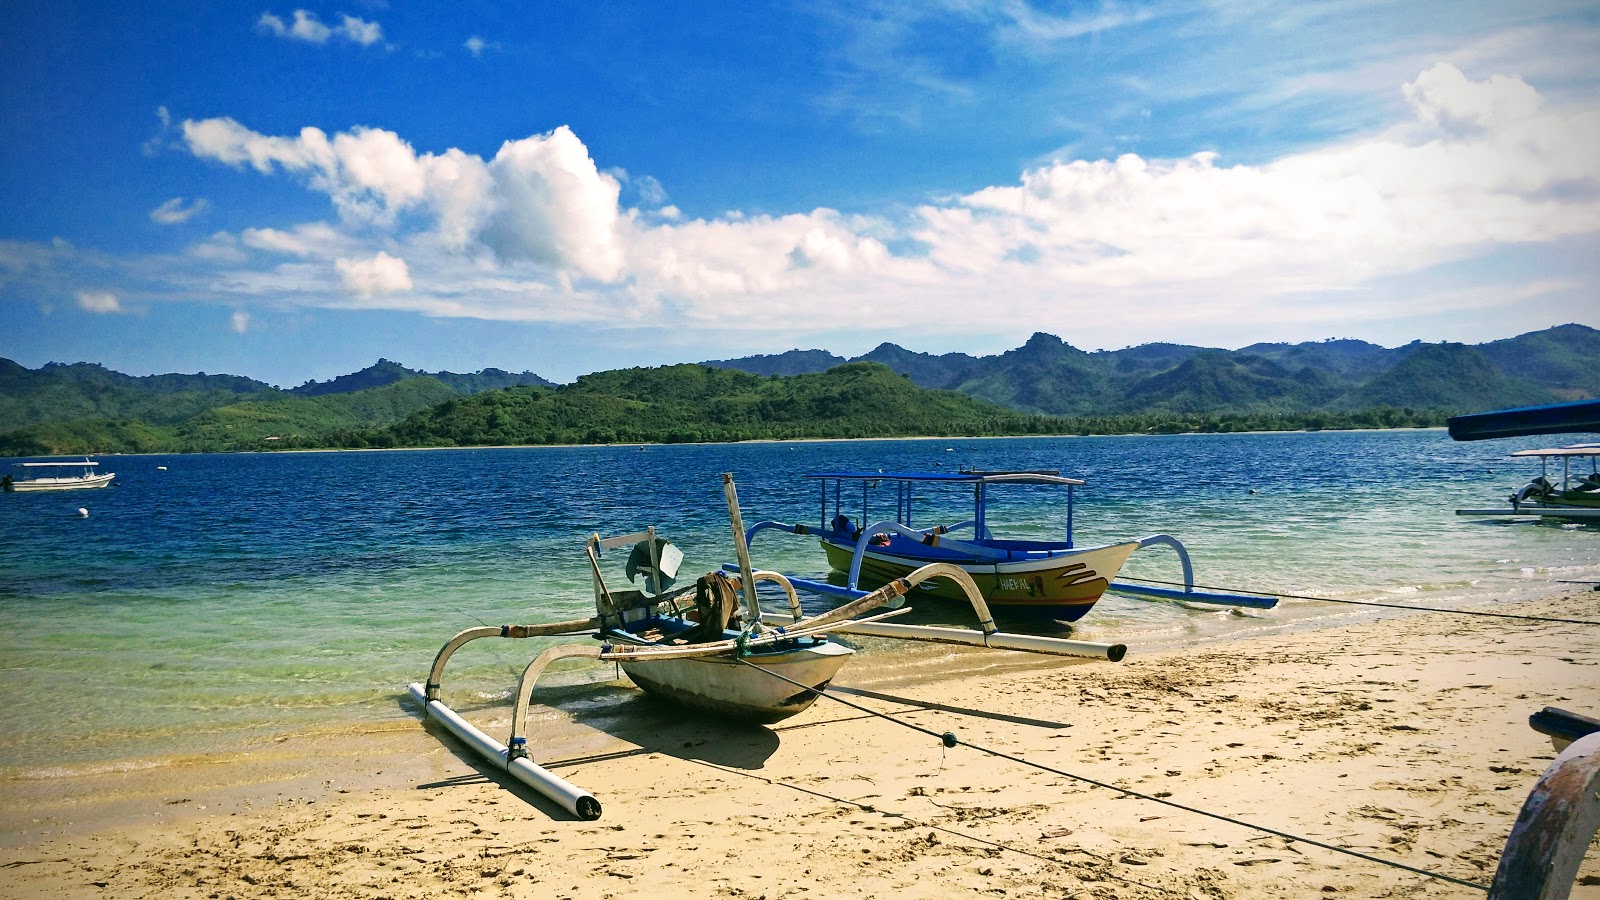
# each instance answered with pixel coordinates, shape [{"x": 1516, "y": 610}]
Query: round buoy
[{"x": 83, "y": 512}]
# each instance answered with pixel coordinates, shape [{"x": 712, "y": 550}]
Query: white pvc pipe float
[{"x": 572, "y": 798}]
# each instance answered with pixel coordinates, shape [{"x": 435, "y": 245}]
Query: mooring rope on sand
[
  {"x": 949, "y": 739},
  {"x": 1282, "y": 596}
]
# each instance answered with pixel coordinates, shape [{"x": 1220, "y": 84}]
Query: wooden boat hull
[
  {"x": 726, "y": 686},
  {"x": 61, "y": 484},
  {"x": 1064, "y": 585}
]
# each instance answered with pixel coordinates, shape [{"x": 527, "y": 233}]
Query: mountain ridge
[{"x": 1045, "y": 386}]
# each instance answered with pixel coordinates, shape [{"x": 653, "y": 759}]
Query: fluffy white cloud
[
  {"x": 551, "y": 205},
  {"x": 475, "y": 45},
  {"x": 174, "y": 211},
  {"x": 98, "y": 302},
  {"x": 540, "y": 199},
  {"x": 382, "y": 274},
  {"x": 307, "y": 27},
  {"x": 1444, "y": 96},
  {"x": 239, "y": 321},
  {"x": 538, "y": 231},
  {"x": 360, "y": 31}
]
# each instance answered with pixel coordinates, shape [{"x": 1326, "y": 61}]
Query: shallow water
[{"x": 230, "y": 599}]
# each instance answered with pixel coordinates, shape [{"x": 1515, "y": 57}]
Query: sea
[{"x": 210, "y": 603}]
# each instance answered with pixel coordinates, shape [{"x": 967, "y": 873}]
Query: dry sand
[{"x": 1405, "y": 739}]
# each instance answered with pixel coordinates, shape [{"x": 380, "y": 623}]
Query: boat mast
[{"x": 747, "y": 576}]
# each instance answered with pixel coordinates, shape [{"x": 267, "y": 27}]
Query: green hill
[
  {"x": 686, "y": 403},
  {"x": 1445, "y": 376},
  {"x": 80, "y": 391}
]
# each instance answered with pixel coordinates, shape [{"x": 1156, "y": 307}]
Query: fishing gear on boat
[
  {"x": 1459, "y": 612},
  {"x": 949, "y": 739}
]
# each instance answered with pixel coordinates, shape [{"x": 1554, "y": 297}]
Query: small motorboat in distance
[
  {"x": 74, "y": 475},
  {"x": 1572, "y": 496}
]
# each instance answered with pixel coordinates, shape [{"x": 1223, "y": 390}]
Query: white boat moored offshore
[
  {"x": 1573, "y": 496},
  {"x": 76, "y": 475}
]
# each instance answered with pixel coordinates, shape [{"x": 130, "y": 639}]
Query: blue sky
[{"x": 290, "y": 192}]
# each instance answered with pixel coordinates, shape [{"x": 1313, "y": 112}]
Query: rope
[
  {"x": 949, "y": 739},
  {"x": 1459, "y": 612}
]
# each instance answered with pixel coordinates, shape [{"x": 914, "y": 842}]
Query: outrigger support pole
[{"x": 988, "y": 634}]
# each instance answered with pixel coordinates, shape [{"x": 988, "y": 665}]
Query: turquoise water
[{"x": 231, "y": 599}]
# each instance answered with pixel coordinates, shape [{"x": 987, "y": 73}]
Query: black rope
[
  {"x": 1459, "y": 612},
  {"x": 949, "y": 739}
]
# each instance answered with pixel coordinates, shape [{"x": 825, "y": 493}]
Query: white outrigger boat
[
  {"x": 81, "y": 475},
  {"x": 703, "y": 648},
  {"x": 1575, "y": 496}
]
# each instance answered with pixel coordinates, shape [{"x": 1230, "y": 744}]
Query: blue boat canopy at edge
[{"x": 1552, "y": 418}]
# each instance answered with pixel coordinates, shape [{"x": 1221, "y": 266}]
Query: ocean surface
[{"x": 209, "y": 603}]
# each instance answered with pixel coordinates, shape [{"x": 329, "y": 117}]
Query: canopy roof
[
  {"x": 1045, "y": 476},
  {"x": 1553, "y": 418},
  {"x": 1574, "y": 450}
]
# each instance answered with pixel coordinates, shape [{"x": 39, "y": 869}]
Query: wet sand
[{"x": 1404, "y": 739}]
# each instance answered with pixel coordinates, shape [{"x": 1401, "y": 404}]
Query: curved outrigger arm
[
  {"x": 1555, "y": 827},
  {"x": 782, "y": 581},
  {"x": 1187, "y": 594},
  {"x": 514, "y": 758},
  {"x": 987, "y": 633}
]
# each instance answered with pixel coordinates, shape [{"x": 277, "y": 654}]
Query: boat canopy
[
  {"x": 1046, "y": 476},
  {"x": 1574, "y": 450},
  {"x": 1553, "y": 418},
  {"x": 834, "y": 517}
]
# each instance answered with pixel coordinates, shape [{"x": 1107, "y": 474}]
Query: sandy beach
[{"x": 1405, "y": 739}]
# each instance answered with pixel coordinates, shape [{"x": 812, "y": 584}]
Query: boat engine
[{"x": 1536, "y": 489}]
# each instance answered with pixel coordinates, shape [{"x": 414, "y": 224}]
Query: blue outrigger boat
[{"x": 1047, "y": 578}]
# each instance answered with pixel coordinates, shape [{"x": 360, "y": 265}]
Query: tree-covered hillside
[{"x": 1045, "y": 386}]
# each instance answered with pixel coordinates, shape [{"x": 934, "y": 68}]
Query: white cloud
[
  {"x": 308, "y": 28},
  {"x": 1444, "y": 97},
  {"x": 360, "y": 31},
  {"x": 239, "y": 322},
  {"x": 316, "y": 239},
  {"x": 553, "y": 206},
  {"x": 382, "y": 274},
  {"x": 475, "y": 45},
  {"x": 98, "y": 302},
  {"x": 174, "y": 211},
  {"x": 538, "y": 232},
  {"x": 540, "y": 199}
]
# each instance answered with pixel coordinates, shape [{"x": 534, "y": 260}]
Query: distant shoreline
[{"x": 645, "y": 444}]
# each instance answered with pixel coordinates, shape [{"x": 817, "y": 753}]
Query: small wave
[{"x": 83, "y": 770}]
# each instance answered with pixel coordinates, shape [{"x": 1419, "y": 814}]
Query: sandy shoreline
[{"x": 1404, "y": 739}]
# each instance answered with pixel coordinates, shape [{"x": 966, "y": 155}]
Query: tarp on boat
[{"x": 1552, "y": 418}]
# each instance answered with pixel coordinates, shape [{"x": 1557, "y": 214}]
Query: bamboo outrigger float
[{"x": 710, "y": 647}]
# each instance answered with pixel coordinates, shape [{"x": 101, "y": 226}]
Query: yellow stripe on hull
[{"x": 1064, "y": 586}]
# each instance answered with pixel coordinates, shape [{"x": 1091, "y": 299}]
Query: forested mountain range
[
  {"x": 83, "y": 391},
  {"x": 1045, "y": 386},
  {"x": 1051, "y": 377}
]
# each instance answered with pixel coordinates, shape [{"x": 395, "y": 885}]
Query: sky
[{"x": 291, "y": 191}]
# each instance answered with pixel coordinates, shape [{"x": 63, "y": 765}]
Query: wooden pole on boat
[
  {"x": 747, "y": 577},
  {"x": 997, "y": 640}
]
